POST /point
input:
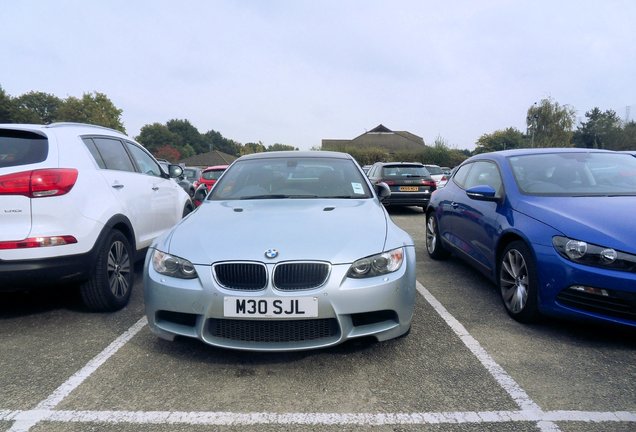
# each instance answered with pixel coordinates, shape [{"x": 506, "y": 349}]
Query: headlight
[
  {"x": 376, "y": 265},
  {"x": 594, "y": 255},
  {"x": 171, "y": 265}
]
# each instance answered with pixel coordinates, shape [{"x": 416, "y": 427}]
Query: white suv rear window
[{"x": 22, "y": 148}]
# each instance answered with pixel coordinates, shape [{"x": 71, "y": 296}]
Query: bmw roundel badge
[{"x": 271, "y": 253}]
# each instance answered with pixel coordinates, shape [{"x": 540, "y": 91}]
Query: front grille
[
  {"x": 273, "y": 331},
  {"x": 242, "y": 276},
  {"x": 616, "y": 304},
  {"x": 300, "y": 275}
]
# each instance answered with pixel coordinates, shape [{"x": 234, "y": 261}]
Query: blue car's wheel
[
  {"x": 518, "y": 282},
  {"x": 434, "y": 245}
]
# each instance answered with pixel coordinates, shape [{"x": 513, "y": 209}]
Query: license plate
[
  {"x": 409, "y": 188},
  {"x": 270, "y": 307}
]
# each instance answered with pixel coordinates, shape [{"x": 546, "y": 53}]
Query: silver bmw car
[{"x": 289, "y": 251}]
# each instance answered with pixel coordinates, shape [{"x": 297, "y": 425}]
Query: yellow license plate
[{"x": 409, "y": 188}]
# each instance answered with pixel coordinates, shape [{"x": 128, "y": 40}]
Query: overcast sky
[{"x": 295, "y": 72}]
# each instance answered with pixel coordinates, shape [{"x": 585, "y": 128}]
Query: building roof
[
  {"x": 211, "y": 158},
  {"x": 378, "y": 137}
]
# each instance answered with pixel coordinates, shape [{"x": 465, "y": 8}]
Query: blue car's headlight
[
  {"x": 594, "y": 255},
  {"x": 376, "y": 265},
  {"x": 171, "y": 265}
]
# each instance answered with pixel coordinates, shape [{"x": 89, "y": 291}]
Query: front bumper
[
  {"x": 381, "y": 307},
  {"x": 610, "y": 296}
]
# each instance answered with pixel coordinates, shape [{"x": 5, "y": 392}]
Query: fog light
[{"x": 590, "y": 290}]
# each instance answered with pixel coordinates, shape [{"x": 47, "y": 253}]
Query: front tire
[
  {"x": 434, "y": 246},
  {"x": 518, "y": 282},
  {"x": 110, "y": 284}
]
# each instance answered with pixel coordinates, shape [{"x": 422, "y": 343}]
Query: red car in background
[{"x": 209, "y": 176}]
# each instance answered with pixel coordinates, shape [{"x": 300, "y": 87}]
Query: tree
[
  {"x": 37, "y": 107},
  {"x": 253, "y": 148},
  {"x": 506, "y": 139},
  {"x": 550, "y": 124},
  {"x": 156, "y": 135},
  {"x": 168, "y": 152},
  {"x": 94, "y": 108},
  {"x": 189, "y": 134},
  {"x": 629, "y": 137},
  {"x": 6, "y": 107},
  {"x": 281, "y": 147},
  {"x": 215, "y": 141},
  {"x": 602, "y": 130}
]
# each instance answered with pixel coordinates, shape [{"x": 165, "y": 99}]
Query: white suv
[
  {"x": 438, "y": 175},
  {"x": 80, "y": 203}
]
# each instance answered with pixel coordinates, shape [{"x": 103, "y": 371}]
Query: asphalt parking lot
[{"x": 465, "y": 366}]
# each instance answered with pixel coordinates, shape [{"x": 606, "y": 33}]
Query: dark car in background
[
  {"x": 410, "y": 182},
  {"x": 551, "y": 227},
  {"x": 182, "y": 181},
  {"x": 192, "y": 174}
]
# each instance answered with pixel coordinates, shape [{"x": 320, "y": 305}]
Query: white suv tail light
[
  {"x": 39, "y": 183},
  {"x": 35, "y": 242}
]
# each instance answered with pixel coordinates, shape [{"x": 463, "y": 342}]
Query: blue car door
[{"x": 477, "y": 221}]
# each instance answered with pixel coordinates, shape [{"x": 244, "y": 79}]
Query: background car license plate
[
  {"x": 409, "y": 188},
  {"x": 270, "y": 307}
]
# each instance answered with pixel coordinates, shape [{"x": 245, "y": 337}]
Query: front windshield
[
  {"x": 291, "y": 177},
  {"x": 575, "y": 174}
]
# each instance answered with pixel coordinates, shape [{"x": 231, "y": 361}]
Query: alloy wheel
[
  {"x": 118, "y": 268},
  {"x": 514, "y": 281}
]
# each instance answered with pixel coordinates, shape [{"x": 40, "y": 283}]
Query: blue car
[{"x": 552, "y": 228}]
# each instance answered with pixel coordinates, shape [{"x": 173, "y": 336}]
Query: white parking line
[
  {"x": 24, "y": 423},
  {"x": 529, "y": 411},
  {"x": 505, "y": 381}
]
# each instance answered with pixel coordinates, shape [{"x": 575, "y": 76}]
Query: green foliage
[
  {"x": 437, "y": 155},
  {"x": 281, "y": 147},
  {"x": 6, "y": 107},
  {"x": 250, "y": 148},
  {"x": 550, "y": 124},
  {"x": 215, "y": 141},
  {"x": 189, "y": 135},
  {"x": 37, "y": 107},
  {"x": 601, "y": 130},
  {"x": 156, "y": 136},
  {"x": 95, "y": 109},
  {"x": 507, "y": 139},
  {"x": 367, "y": 156}
]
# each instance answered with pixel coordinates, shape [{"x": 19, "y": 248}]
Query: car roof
[
  {"x": 545, "y": 150},
  {"x": 296, "y": 154},
  {"x": 216, "y": 167},
  {"x": 402, "y": 163},
  {"x": 80, "y": 127}
]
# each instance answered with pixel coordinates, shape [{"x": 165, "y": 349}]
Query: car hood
[
  {"x": 338, "y": 231},
  {"x": 606, "y": 221}
]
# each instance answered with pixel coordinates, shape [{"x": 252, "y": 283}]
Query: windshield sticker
[{"x": 357, "y": 188}]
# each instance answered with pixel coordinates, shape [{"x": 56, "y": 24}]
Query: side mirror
[
  {"x": 482, "y": 193},
  {"x": 383, "y": 190},
  {"x": 175, "y": 171}
]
